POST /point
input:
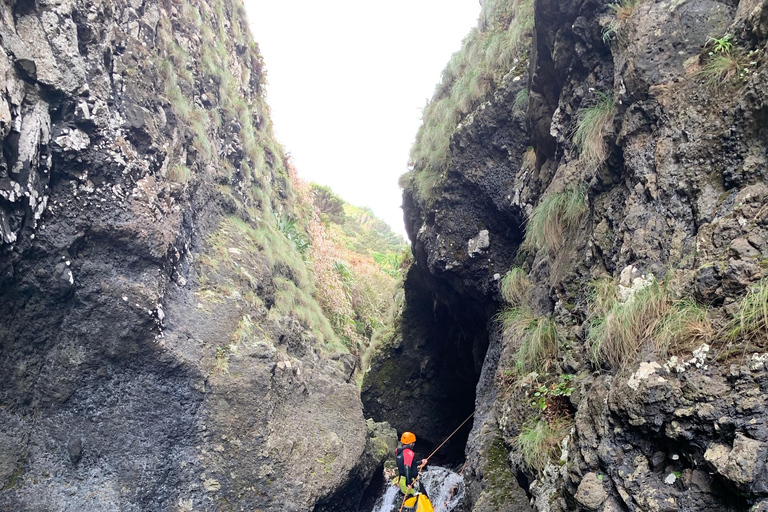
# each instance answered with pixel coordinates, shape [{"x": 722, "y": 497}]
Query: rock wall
[
  {"x": 678, "y": 193},
  {"x": 148, "y": 360}
]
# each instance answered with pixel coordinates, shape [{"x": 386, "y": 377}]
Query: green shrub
[
  {"x": 327, "y": 202},
  {"x": 552, "y": 218},
  {"x": 593, "y": 123},
  {"x": 548, "y": 396}
]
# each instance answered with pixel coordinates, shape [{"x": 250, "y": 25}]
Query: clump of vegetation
[
  {"x": 327, "y": 202},
  {"x": 650, "y": 317},
  {"x": 539, "y": 442},
  {"x": 537, "y": 337},
  {"x": 356, "y": 260},
  {"x": 622, "y": 11},
  {"x": 750, "y": 322},
  {"x": 549, "y": 398},
  {"x": 593, "y": 123},
  {"x": 521, "y": 101},
  {"x": 726, "y": 63},
  {"x": 514, "y": 286},
  {"x": 499, "y": 44},
  {"x": 287, "y": 226},
  {"x": 179, "y": 173},
  {"x": 552, "y": 218}
]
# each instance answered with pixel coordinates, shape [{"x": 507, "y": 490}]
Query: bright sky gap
[{"x": 347, "y": 81}]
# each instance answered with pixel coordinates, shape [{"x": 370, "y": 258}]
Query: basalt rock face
[
  {"x": 133, "y": 376},
  {"x": 677, "y": 194}
]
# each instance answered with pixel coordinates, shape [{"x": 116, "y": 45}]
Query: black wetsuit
[{"x": 407, "y": 467}]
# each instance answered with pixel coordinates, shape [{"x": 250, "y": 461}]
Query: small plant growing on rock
[
  {"x": 751, "y": 319},
  {"x": 622, "y": 11},
  {"x": 722, "y": 45},
  {"x": 538, "y": 338},
  {"x": 539, "y": 442},
  {"x": 222, "y": 360},
  {"x": 552, "y": 400},
  {"x": 521, "y": 101},
  {"x": 288, "y": 227},
  {"x": 179, "y": 173},
  {"x": 529, "y": 159},
  {"x": 552, "y": 217},
  {"x": 726, "y": 62},
  {"x": 514, "y": 286},
  {"x": 593, "y": 123}
]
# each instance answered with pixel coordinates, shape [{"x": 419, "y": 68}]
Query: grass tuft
[
  {"x": 179, "y": 173},
  {"x": 529, "y": 159},
  {"x": 751, "y": 319},
  {"x": 537, "y": 337},
  {"x": 552, "y": 218},
  {"x": 593, "y": 123},
  {"x": 650, "y": 317},
  {"x": 622, "y": 11},
  {"x": 514, "y": 286},
  {"x": 539, "y": 442},
  {"x": 727, "y": 67},
  {"x": 521, "y": 101}
]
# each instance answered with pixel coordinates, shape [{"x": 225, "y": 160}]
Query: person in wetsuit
[{"x": 407, "y": 465}]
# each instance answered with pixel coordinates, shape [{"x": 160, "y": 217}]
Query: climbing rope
[{"x": 424, "y": 462}]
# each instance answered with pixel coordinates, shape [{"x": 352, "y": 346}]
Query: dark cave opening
[{"x": 425, "y": 380}]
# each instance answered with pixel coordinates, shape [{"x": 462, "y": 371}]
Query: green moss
[
  {"x": 503, "y": 486},
  {"x": 16, "y": 475}
]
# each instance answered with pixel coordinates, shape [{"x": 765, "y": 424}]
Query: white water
[
  {"x": 444, "y": 488},
  {"x": 387, "y": 501}
]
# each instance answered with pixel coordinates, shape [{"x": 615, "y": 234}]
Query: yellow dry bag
[{"x": 419, "y": 503}]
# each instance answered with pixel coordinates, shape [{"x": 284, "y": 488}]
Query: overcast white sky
[{"x": 347, "y": 80}]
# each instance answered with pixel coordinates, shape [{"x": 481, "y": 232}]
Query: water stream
[{"x": 444, "y": 487}]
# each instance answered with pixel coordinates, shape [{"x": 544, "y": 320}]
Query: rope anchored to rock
[{"x": 424, "y": 462}]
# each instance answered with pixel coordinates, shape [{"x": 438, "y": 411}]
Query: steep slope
[
  {"x": 605, "y": 204},
  {"x": 161, "y": 342}
]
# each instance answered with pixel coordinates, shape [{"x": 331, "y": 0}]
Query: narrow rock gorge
[{"x": 587, "y": 205}]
